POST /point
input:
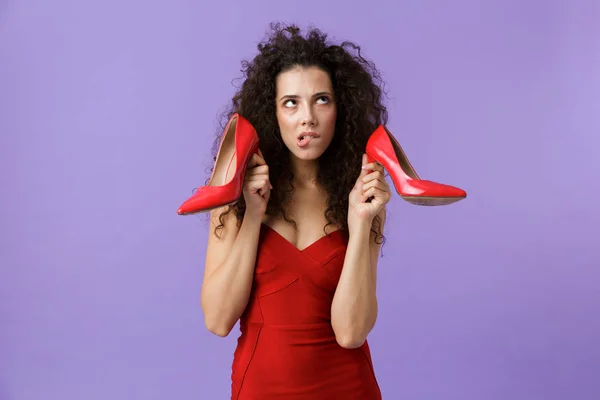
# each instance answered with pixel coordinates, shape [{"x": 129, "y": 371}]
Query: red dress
[{"x": 287, "y": 348}]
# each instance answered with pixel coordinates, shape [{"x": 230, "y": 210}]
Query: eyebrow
[{"x": 295, "y": 96}]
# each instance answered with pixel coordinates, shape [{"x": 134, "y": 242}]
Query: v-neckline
[{"x": 316, "y": 242}]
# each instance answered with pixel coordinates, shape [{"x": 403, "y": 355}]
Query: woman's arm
[
  {"x": 354, "y": 308},
  {"x": 230, "y": 259},
  {"x": 228, "y": 272}
]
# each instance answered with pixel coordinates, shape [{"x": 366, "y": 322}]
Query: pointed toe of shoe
[
  {"x": 458, "y": 192},
  {"x": 451, "y": 191},
  {"x": 208, "y": 198},
  {"x": 185, "y": 208},
  {"x": 181, "y": 211},
  {"x": 194, "y": 204}
]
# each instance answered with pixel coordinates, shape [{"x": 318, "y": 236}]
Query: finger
[
  {"x": 256, "y": 160},
  {"x": 260, "y": 186},
  {"x": 253, "y": 174},
  {"x": 259, "y": 182},
  {"x": 266, "y": 188},
  {"x": 375, "y": 175},
  {"x": 373, "y": 183},
  {"x": 367, "y": 195},
  {"x": 364, "y": 171},
  {"x": 374, "y": 166},
  {"x": 374, "y": 192},
  {"x": 377, "y": 190},
  {"x": 259, "y": 178},
  {"x": 258, "y": 169}
]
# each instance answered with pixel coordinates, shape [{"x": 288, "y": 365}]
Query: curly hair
[{"x": 358, "y": 90}]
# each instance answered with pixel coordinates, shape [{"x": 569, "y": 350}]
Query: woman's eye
[
  {"x": 324, "y": 99},
  {"x": 287, "y": 103}
]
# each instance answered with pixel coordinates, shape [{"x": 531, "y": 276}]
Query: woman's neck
[{"x": 304, "y": 171}]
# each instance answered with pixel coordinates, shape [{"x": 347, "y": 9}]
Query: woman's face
[{"x": 306, "y": 111}]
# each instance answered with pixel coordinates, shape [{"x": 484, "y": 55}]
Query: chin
[{"x": 308, "y": 155}]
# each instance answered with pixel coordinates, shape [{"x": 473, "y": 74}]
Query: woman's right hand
[{"x": 257, "y": 186}]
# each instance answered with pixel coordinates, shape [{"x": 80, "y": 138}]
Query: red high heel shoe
[
  {"x": 385, "y": 149},
  {"x": 238, "y": 144}
]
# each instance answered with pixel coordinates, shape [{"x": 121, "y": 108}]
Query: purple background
[{"x": 107, "y": 115}]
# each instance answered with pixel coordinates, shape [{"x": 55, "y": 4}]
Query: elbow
[
  {"x": 350, "y": 341},
  {"x": 215, "y": 323},
  {"x": 220, "y": 330},
  {"x": 217, "y": 326},
  {"x": 351, "y": 336}
]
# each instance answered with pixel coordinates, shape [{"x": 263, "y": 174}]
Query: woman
[{"x": 294, "y": 257}]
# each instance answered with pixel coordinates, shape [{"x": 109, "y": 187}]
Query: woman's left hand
[{"x": 371, "y": 183}]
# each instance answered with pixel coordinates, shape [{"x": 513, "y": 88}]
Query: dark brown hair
[{"x": 358, "y": 94}]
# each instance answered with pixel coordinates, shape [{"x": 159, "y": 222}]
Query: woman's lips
[{"x": 306, "y": 138}]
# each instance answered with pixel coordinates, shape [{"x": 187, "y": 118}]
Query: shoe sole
[{"x": 431, "y": 201}]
